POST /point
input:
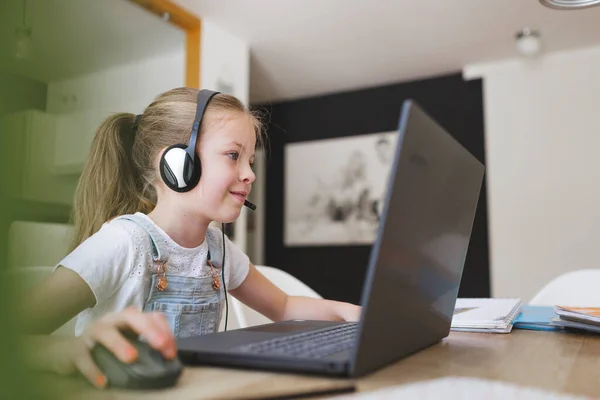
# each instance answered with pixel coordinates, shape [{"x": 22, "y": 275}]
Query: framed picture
[{"x": 334, "y": 189}]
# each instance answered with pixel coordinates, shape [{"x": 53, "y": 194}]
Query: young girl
[{"x": 144, "y": 256}]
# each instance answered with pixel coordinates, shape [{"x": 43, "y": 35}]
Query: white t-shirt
[{"x": 116, "y": 263}]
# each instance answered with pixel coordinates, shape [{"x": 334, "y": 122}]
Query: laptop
[{"x": 412, "y": 280}]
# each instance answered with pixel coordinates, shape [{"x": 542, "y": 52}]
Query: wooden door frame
[{"x": 191, "y": 24}]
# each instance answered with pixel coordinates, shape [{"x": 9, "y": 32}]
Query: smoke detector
[
  {"x": 569, "y": 4},
  {"x": 528, "y": 42}
]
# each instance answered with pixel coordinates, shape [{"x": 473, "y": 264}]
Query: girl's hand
[
  {"x": 349, "y": 312},
  {"x": 73, "y": 354}
]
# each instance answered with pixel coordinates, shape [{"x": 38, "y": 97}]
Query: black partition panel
[{"x": 337, "y": 272}]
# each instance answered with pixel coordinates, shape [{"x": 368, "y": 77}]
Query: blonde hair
[{"x": 119, "y": 173}]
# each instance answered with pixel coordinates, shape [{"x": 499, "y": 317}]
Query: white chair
[
  {"x": 25, "y": 278},
  {"x": 244, "y": 316},
  {"x": 37, "y": 243},
  {"x": 32, "y": 248},
  {"x": 577, "y": 288}
]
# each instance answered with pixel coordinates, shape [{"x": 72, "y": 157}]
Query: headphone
[{"x": 180, "y": 167}]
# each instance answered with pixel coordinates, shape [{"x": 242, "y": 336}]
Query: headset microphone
[{"x": 249, "y": 205}]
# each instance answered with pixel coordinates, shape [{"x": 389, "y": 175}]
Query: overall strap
[
  {"x": 157, "y": 243},
  {"x": 215, "y": 247}
]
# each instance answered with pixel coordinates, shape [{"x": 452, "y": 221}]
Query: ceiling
[
  {"x": 74, "y": 37},
  {"x": 298, "y": 47},
  {"x": 309, "y": 47}
]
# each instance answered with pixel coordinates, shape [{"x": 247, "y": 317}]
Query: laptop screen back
[{"x": 417, "y": 260}]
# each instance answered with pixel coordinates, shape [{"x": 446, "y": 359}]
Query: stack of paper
[
  {"x": 586, "y": 318},
  {"x": 485, "y": 315}
]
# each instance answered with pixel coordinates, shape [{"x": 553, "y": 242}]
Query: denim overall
[{"x": 192, "y": 305}]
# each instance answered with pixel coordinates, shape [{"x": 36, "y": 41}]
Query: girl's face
[{"x": 226, "y": 151}]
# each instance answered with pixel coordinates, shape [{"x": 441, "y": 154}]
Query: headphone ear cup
[
  {"x": 176, "y": 170},
  {"x": 192, "y": 171},
  {"x": 188, "y": 169},
  {"x": 167, "y": 175}
]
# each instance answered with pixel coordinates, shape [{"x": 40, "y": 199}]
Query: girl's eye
[
  {"x": 252, "y": 166},
  {"x": 234, "y": 156}
]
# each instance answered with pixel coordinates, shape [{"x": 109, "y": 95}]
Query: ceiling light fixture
[
  {"x": 570, "y": 4},
  {"x": 529, "y": 42},
  {"x": 23, "y": 39}
]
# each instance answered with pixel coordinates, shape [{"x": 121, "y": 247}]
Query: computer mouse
[{"x": 150, "y": 371}]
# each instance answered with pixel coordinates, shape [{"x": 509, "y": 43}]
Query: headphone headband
[
  {"x": 204, "y": 97},
  {"x": 180, "y": 166}
]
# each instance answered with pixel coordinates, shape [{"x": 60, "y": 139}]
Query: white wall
[
  {"x": 543, "y": 167},
  {"x": 86, "y": 100},
  {"x": 125, "y": 88},
  {"x": 225, "y": 62}
]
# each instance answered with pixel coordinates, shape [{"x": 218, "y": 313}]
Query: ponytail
[{"x": 109, "y": 185}]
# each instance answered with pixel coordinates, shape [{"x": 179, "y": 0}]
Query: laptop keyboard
[{"x": 313, "y": 344}]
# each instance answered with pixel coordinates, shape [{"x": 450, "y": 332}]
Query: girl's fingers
[
  {"x": 169, "y": 347},
  {"x": 108, "y": 331},
  {"x": 85, "y": 364},
  {"x": 152, "y": 326},
  {"x": 110, "y": 337}
]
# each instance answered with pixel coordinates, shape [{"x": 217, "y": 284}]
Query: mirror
[
  {"x": 64, "y": 66},
  {"x": 71, "y": 38}
]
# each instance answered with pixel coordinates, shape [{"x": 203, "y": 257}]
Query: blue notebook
[{"x": 537, "y": 318}]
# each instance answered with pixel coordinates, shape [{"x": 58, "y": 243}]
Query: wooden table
[{"x": 560, "y": 362}]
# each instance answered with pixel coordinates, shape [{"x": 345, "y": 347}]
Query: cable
[{"x": 223, "y": 278}]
